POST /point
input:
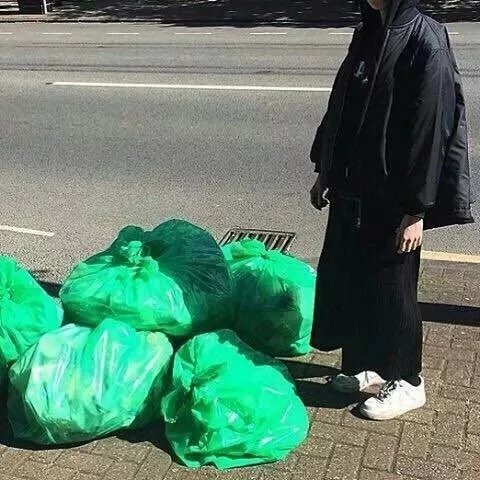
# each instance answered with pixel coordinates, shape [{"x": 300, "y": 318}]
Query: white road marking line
[
  {"x": 123, "y": 33},
  {"x": 55, "y": 33},
  {"x": 252, "y": 88},
  {"x": 450, "y": 257},
  {"x": 268, "y": 33},
  {"x": 28, "y": 231},
  {"x": 5, "y": 33},
  {"x": 453, "y": 33},
  {"x": 193, "y": 33}
]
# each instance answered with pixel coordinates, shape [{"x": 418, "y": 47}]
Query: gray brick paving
[{"x": 438, "y": 442}]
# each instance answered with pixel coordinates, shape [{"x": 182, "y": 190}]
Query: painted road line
[
  {"x": 450, "y": 257},
  {"x": 28, "y": 231},
  {"x": 56, "y": 33},
  {"x": 253, "y": 88},
  {"x": 123, "y": 33},
  {"x": 454, "y": 33},
  {"x": 5, "y": 33},
  {"x": 268, "y": 33}
]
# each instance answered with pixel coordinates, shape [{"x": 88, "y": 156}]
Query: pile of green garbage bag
[
  {"x": 273, "y": 298},
  {"x": 231, "y": 406},
  {"x": 173, "y": 279},
  {"x": 79, "y": 383},
  {"x": 26, "y": 312},
  {"x": 225, "y": 401}
]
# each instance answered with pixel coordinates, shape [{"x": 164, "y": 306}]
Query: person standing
[{"x": 392, "y": 160}]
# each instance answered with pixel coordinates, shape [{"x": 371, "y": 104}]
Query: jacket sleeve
[
  {"x": 431, "y": 125},
  {"x": 316, "y": 150},
  {"x": 318, "y": 143}
]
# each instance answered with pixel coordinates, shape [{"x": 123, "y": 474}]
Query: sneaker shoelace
[{"x": 387, "y": 390}]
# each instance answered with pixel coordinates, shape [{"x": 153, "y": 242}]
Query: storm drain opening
[{"x": 273, "y": 240}]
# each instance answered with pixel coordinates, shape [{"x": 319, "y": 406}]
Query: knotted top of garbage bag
[
  {"x": 249, "y": 248},
  {"x": 136, "y": 252},
  {"x": 250, "y": 255}
]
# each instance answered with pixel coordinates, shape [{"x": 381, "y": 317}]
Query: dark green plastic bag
[
  {"x": 3, "y": 375},
  {"x": 273, "y": 298},
  {"x": 79, "y": 383},
  {"x": 231, "y": 406},
  {"x": 26, "y": 312},
  {"x": 173, "y": 279}
]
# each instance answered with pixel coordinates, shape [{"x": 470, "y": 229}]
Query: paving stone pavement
[{"x": 438, "y": 442}]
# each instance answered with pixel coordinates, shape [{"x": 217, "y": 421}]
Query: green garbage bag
[
  {"x": 79, "y": 383},
  {"x": 273, "y": 298},
  {"x": 173, "y": 279},
  {"x": 231, "y": 406},
  {"x": 26, "y": 311},
  {"x": 3, "y": 375}
]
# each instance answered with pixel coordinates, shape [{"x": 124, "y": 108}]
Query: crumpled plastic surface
[
  {"x": 3, "y": 374},
  {"x": 26, "y": 312},
  {"x": 273, "y": 297},
  {"x": 231, "y": 406},
  {"x": 80, "y": 383},
  {"x": 173, "y": 279}
]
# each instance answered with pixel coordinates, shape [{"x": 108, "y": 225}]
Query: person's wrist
[
  {"x": 413, "y": 218},
  {"x": 418, "y": 215}
]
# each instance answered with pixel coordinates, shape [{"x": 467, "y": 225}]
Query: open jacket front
[{"x": 411, "y": 147}]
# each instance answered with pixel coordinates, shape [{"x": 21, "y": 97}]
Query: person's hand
[
  {"x": 409, "y": 234},
  {"x": 316, "y": 195}
]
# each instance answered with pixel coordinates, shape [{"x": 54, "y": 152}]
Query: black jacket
[{"x": 411, "y": 141}]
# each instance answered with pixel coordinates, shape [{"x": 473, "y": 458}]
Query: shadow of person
[
  {"x": 322, "y": 395},
  {"x": 314, "y": 386},
  {"x": 300, "y": 370}
]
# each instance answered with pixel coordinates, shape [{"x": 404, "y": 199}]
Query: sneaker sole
[{"x": 383, "y": 417}]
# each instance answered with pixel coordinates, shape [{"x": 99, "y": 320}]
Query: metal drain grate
[{"x": 273, "y": 240}]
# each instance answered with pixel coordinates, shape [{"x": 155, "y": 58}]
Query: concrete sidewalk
[
  {"x": 225, "y": 12},
  {"x": 439, "y": 442}
]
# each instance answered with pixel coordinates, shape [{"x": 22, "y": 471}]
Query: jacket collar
[{"x": 405, "y": 16}]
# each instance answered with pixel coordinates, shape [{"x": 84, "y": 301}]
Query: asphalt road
[{"x": 80, "y": 162}]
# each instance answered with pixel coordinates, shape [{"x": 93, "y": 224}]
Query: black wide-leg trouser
[{"x": 366, "y": 301}]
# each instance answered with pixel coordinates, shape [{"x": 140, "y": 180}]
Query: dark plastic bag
[
  {"x": 3, "y": 375},
  {"x": 173, "y": 279},
  {"x": 231, "y": 406},
  {"x": 78, "y": 383},
  {"x": 26, "y": 312},
  {"x": 273, "y": 298}
]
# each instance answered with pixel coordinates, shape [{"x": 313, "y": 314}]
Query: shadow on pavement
[
  {"x": 211, "y": 12},
  {"x": 318, "y": 395},
  {"x": 454, "y": 314},
  {"x": 53, "y": 289},
  {"x": 300, "y": 370},
  {"x": 317, "y": 13},
  {"x": 153, "y": 433},
  {"x": 313, "y": 384}
]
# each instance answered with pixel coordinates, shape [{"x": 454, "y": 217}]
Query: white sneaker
[
  {"x": 395, "y": 398},
  {"x": 356, "y": 383}
]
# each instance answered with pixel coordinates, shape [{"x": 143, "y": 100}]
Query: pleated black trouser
[{"x": 366, "y": 300}]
